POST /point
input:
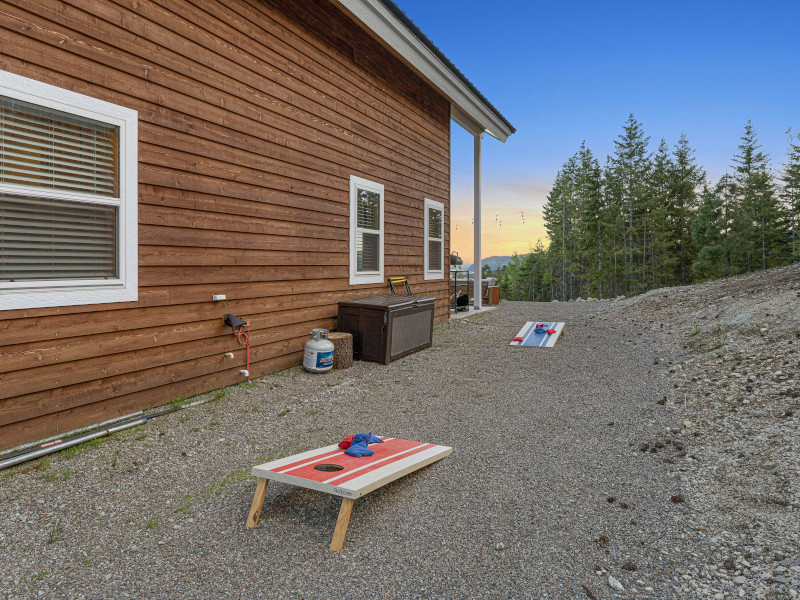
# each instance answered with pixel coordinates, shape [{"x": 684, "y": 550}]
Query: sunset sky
[{"x": 564, "y": 72}]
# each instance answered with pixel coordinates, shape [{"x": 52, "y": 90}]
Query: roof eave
[{"x": 467, "y": 108}]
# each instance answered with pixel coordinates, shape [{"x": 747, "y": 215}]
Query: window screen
[
  {"x": 47, "y": 238},
  {"x": 434, "y": 255},
  {"x": 43, "y": 238},
  {"x": 367, "y": 247}
]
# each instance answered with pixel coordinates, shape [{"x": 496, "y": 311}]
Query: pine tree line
[{"x": 652, "y": 219}]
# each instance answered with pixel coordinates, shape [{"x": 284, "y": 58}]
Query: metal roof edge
[{"x": 385, "y": 19}]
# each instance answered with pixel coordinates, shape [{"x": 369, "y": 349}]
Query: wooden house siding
[{"x": 252, "y": 117}]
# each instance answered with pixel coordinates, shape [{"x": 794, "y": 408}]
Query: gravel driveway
[{"x": 545, "y": 495}]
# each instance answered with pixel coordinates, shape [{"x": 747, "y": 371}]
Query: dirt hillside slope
[{"x": 736, "y": 389}]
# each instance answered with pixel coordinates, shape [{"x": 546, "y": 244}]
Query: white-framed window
[
  {"x": 68, "y": 197},
  {"x": 366, "y": 231},
  {"x": 434, "y": 239}
]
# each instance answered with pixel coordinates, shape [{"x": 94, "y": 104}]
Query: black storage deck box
[{"x": 386, "y": 328}]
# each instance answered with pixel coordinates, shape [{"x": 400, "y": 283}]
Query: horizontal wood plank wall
[{"x": 253, "y": 115}]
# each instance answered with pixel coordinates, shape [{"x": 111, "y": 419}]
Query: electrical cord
[{"x": 242, "y": 333}]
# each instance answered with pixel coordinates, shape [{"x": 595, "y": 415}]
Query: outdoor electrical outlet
[
  {"x": 219, "y": 297},
  {"x": 235, "y": 322}
]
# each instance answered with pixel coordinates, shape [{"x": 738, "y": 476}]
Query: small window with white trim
[
  {"x": 366, "y": 231},
  {"x": 68, "y": 194},
  {"x": 434, "y": 239}
]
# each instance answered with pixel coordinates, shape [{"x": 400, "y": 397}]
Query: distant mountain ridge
[{"x": 494, "y": 262}]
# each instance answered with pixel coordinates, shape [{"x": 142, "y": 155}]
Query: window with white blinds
[
  {"x": 67, "y": 197},
  {"x": 48, "y": 148},
  {"x": 434, "y": 239},
  {"x": 368, "y": 241},
  {"x": 366, "y": 231}
]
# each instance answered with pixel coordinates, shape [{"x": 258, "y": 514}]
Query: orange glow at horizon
[{"x": 511, "y": 220}]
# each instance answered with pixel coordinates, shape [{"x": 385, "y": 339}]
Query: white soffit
[{"x": 467, "y": 109}]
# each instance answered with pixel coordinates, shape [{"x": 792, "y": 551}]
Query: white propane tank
[{"x": 318, "y": 356}]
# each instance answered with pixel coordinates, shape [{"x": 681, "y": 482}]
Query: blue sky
[{"x": 562, "y": 72}]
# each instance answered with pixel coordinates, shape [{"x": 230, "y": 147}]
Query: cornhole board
[
  {"x": 527, "y": 337},
  {"x": 332, "y": 471}
]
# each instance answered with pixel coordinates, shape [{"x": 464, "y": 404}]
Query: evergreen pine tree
[
  {"x": 538, "y": 258},
  {"x": 558, "y": 216},
  {"x": 628, "y": 173},
  {"x": 589, "y": 209},
  {"x": 762, "y": 219},
  {"x": 791, "y": 192},
  {"x": 641, "y": 221},
  {"x": 709, "y": 235},
  {"x": 663, "y": 255},
  {"x": 685, "y": 181}
]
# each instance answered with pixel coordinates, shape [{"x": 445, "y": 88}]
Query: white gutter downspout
[{"x": 476, "y": 275}]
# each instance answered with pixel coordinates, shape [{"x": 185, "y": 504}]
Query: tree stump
[{"x": 342, "y": 349}]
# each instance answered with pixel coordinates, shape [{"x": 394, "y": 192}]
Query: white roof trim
[{"x": 467, "y": 109}]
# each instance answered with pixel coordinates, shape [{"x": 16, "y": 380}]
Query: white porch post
[{"x": 477, "y": 227}]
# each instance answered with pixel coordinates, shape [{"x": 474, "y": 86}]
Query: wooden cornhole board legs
[
  {"x": 342, "y": 521},
  {"x": 258, "y": 502},
  {"x": 329, "y": 470}
]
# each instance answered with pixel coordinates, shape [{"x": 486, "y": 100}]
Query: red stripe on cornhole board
[
  {"x": 351, "y": 462},
  {"x": 350, "y": 476},
  {"x": 309, "y": 459},
  {"x": 319, "y": 457}
]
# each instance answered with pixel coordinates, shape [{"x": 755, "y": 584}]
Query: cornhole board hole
[
  {"x": 332, "y": 471},
  {"x": 528, "y": 337}
]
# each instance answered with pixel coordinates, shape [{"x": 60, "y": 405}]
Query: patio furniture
[
  {"x": 398, "y": 281},
  {"x": 332, "y": 471},
  {"x": 459, "y": 299}
]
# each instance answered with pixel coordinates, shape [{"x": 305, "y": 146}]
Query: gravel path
[{"x": 545, "y": 495}]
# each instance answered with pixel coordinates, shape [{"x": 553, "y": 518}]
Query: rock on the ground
[{"x": 615, "y": 583}]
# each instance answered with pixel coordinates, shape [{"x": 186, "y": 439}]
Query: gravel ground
[
  {"x": 546, "y": 495},
  {"x": 737, "y": 390}
]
